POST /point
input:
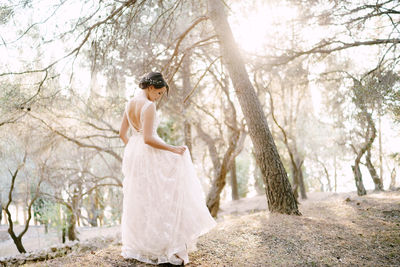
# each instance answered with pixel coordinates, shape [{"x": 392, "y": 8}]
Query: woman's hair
[{"x": 153, "y": 78}]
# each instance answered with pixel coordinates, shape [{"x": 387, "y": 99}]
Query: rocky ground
[{"x": 334, "y": 229}]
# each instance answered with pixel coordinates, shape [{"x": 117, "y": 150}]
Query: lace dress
[{"x": 164, "y": 210}]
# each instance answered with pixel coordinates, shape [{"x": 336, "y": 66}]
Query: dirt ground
[{"x": 334, "y": 230}]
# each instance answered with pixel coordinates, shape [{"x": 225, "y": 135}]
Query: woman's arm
[
  {"x": 149, "y": 139},
  {"x": 124, "y": 129}
]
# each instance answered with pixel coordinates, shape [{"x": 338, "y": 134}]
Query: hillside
[{"x": 335, "y": 229}]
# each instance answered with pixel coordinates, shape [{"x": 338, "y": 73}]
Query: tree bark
[
  {"x": 63, "y": 234},
  {"x": 233, "y": 181},
  {"x": 358, "y": 178},
  {"x": 278, "y": 189},
  {"x": 71, "y": 217},
  {"x": 372, "y": 172}
]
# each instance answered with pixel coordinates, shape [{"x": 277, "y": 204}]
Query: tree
[
  {"x": 224, "y": 144},
  {"x": 18, "y": 238},
  {"x": 289, "y": 105},
  {"x": 278, "y": 190}
]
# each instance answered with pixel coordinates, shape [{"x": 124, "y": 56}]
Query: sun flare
[{"x": 253, "y": 28}]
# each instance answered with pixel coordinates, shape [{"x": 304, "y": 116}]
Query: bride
[{"x": 164, "y": 210}]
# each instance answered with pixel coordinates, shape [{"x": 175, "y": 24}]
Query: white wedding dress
[{"x": 164, "y": 210}]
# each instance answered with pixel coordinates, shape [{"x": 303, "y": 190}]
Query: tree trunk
[
  {"x": 277, "y": 186},
  {"x": 24, "y": 212},
  {"x": 380, "y": 147},
  {"x": 297, "y": 174},
  {"x": 94, "y": 86},
  {"x": 335, "y": 174},
  {"x": 71, "y": 226},
  {"x": 233, "y": 181},
  {"x": 99, "y": 206},
  {"x": 71, "y": 217},
  {"x": 321, "y": 183},
  {"x": 295, "y": 183},
  {"x": 358, "y": 178},
  {"x": 327, "y": 176},
  {"x": 63, "y": 234},
  {"x": 220, "y": 169},
  {"x": 302, "y": 185},
  {"x": 187, "y": 87},
  {"x": 392, "y": 185},
  {"x": 369, "y": 139},
  {"x": 188, "y": 135},
  {"x": 372, "y": 172},
  {"x": 18, "y": 244},
  {"x": 18, "y": 238},
  {"x": 92, "y": 211},
  {"x": 96, "y": 205},
  {"x": 300, "y": 179}
]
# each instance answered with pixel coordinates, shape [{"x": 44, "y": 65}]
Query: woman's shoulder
[
  {"x": 146, "y": 105},
  {"x": 137, "y": 100}
]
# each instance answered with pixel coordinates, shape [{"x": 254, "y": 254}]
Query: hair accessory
[{"x": 154, "y": 82}]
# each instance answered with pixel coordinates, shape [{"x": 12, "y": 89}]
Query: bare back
[{"x": 134, "y": 112}]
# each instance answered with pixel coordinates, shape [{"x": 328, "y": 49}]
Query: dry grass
[{"x": 362, "y": 231}]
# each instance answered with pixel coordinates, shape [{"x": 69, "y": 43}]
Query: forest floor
[{"x": 334, "y": 229}]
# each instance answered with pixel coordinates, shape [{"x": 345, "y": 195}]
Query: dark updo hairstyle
[{"x": 153, "y": 78}]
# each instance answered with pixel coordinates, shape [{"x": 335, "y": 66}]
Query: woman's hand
[{"x": 178, "y": 149}]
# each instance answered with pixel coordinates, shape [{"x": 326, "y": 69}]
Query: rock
[{"x": 55, "y": 251}]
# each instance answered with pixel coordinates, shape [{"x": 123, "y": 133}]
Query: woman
[{"x": 164, "y": 210}]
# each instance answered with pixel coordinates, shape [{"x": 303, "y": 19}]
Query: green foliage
[
  {"x": 170, "y": 132},
  {"x": 46, "y": 211},
  {"x": 243, "y": 174}
]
